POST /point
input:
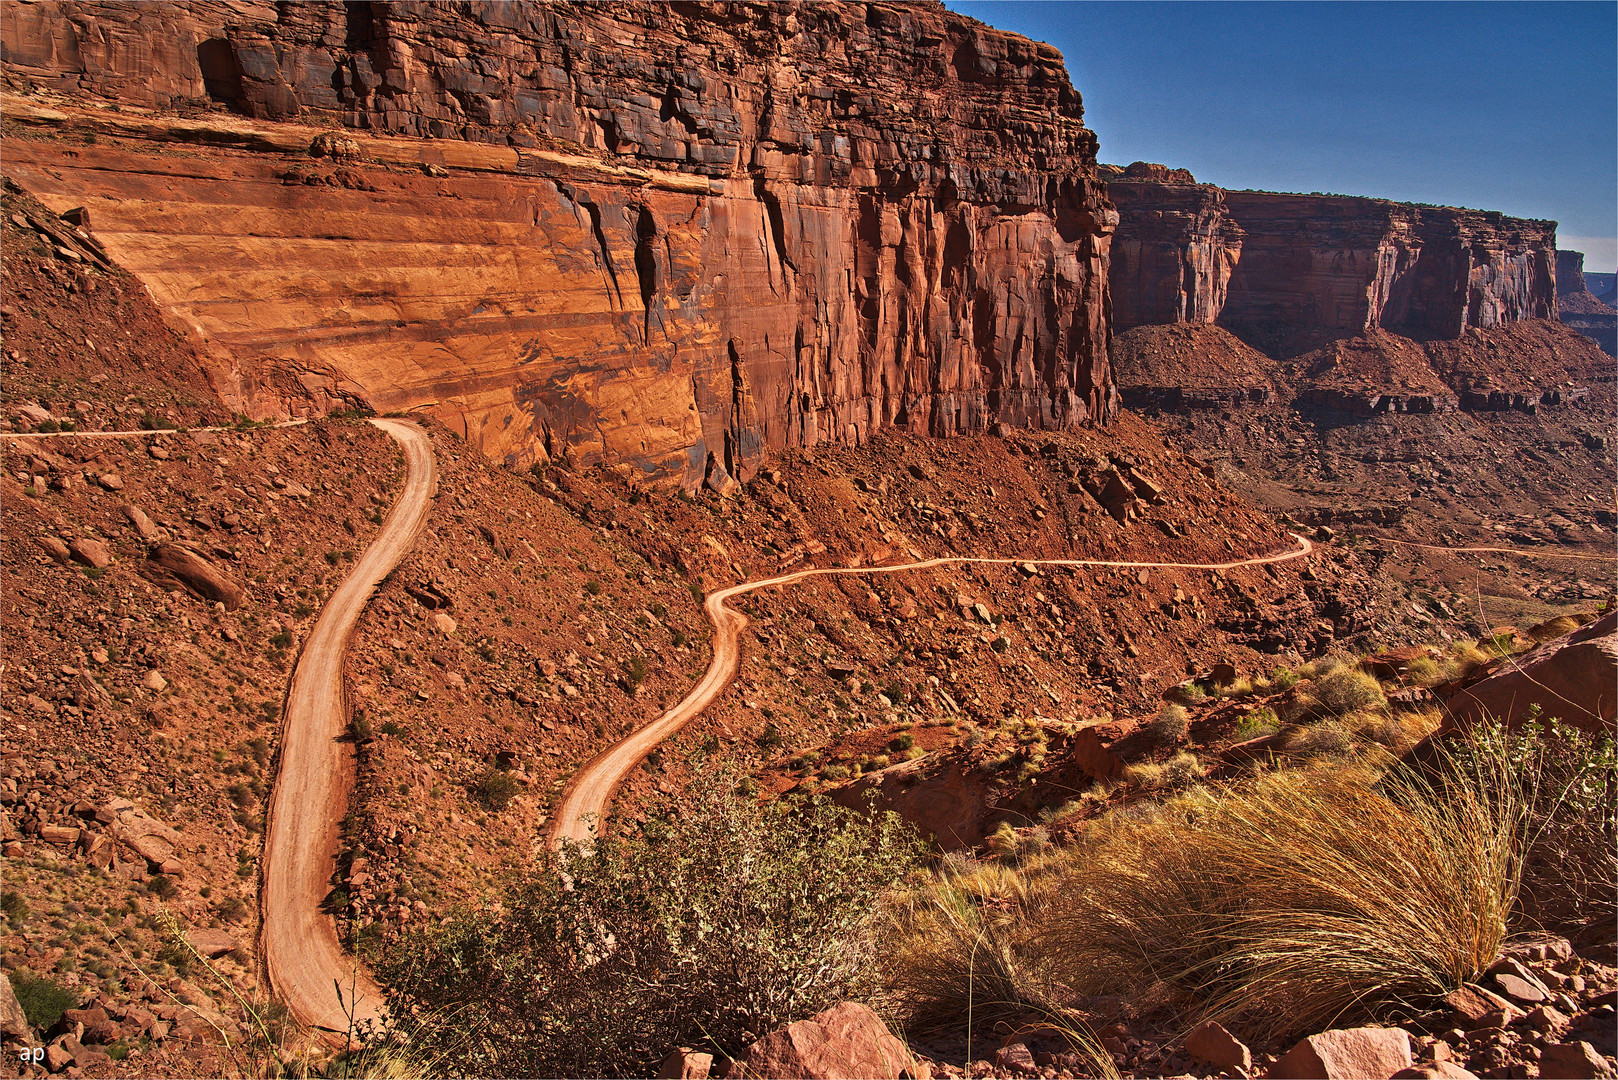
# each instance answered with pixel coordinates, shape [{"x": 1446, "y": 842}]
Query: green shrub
[
  {"x": 723, "y": 920},
  {"x": 163, "y": 887},
  {"x": 593, "y": 587},
  {"x": 43, "y": 999},
  {"x": 902, "y": 742},
  {"x": 495, "y": 789},
  {"x": 1257, "y": 724}
]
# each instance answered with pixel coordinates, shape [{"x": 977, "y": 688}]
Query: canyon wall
[
  {"x": 666, "y": 237},
  {"x": 1277, "y": 265},
  {"x": 1579, "y": 307}
]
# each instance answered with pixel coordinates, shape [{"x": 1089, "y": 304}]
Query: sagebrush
[{"x": 719, "y": 922}]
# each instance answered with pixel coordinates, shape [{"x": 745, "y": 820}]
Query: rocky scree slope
[{"x": 670, "y": 237}]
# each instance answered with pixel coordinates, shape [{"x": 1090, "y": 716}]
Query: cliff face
[
  {"x": 1327, "y": 263},
  {"x": 1579, "y": 307},
  {"x": 1174, "y": 263},
  {"x": 673, "y": 237}
]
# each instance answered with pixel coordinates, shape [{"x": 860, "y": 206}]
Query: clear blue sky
[{"x": 1500, "y": 106}]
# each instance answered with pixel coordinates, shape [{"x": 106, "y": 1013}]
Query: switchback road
[{"x": 586, "y": 797}]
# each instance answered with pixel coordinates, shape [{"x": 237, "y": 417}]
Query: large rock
[
  {"x": 1573, "y": 1061},
  {"x": 13, "y": 1021},
  {"x": 1211, "y": 1042},
  {"x": 846, "y": 1042},
  {"x": 731, "y": 229},
  {"x": 1367, "y": 1053},
  {"x": 91, "y": 552},
  {"x": 943, "y": 795},
  {"x": 172, "y": 565},
  {"x": 1573, "y": 678}
]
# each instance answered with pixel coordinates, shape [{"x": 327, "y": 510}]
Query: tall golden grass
[{"x": 1300, "y": 899}]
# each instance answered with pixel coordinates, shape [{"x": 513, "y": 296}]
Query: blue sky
[{"x": 1500, "y": 106}]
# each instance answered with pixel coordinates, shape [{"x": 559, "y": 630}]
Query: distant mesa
[{"x": 1585, "y": 301}]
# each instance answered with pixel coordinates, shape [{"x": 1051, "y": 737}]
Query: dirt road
[
  {"x": 592, "y": 787},
  {"x": 139, "y": 432},
  {"x": 1531, "y": 552},
  {"x": 299, "y": 941}
]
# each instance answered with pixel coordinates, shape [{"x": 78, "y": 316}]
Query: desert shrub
[
  {"x": 721, "y": 921},
  {"x": 1570, "y": 874},
  {"x": 14, "y": 905},
  {"x": 43, "y": 999},
  {"x": 1169, "y": 725},
  {"x": 834, "y": 772},
  {"x": 1346, "y": 690},
  {"x": 1326, "y": 739},
  {"x": 902, "y": 742},
  {"x": 1257, "y": 724},
  {"x": 1423, "y": 671},
  {"x": 163, "y": 887},
  {"x": 495, "y": 789},
  {"x": 1300, "y": 899}
]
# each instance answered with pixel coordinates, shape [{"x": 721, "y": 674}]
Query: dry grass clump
[
  {"x": 1300, "y": 899},
  {"x": 1552, "y": 629},
  {"x": 1345, "y": 690},
  {"x": 1170, "y": 724},
  {"x": 959, "y": 947},
  {"x": 1177, "y": 771}
]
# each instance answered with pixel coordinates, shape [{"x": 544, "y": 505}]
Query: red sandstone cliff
[
  {"x": 693, "y": 232},
  {"x": 1282, "y": 266}
]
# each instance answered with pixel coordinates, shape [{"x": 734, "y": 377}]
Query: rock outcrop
[
  {"x": 1573, "y": 678},
  {"x": 667, "y": 237},
  {"x": 1274, "y": 265},
  {"x": 1174, "y": 262},
  {"x": 1579, "y": 307}
]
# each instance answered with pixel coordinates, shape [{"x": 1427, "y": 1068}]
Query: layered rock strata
[
  {"x": 671, "y": 238},
  {"x": 1579, "y": 307},
  {"x": 1279, "y": 267}
]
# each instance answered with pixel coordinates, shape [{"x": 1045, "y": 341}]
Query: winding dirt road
[
  {"x": 1530, "y": 552},
  {"x": 299, "y": 942},
  {"x": 592, "y": 787},
  {"x": 140, "y": 431}
]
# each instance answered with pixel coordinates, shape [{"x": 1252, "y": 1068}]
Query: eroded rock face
[
  {"x": 688, "y": 231},
  {"x": 1173, "y": 261},
  {"x": 1280, "y": 264}
]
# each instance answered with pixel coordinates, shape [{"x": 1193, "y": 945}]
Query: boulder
[
  {"x": 443, "y": 623},
  {"x": 13, "y": 1021},
  {"x": 90, "y": 552},
  {"x": 1437, "y": 1070},
  {"x": 144, "y": 527},
  {"x": 1574, "y": 678},
  {"x": 1573, "y": 1061},
  {"x": 1210, "y": 1042},
  {"x": 1472, "y": 1007},
  {"x": 211, "y": 943},
  {"x": 1367, "y": 1053},
  {"x": 718, "y": 480},
  {"x": 55, "y": 548},
  {"x": 685, "y": 1064},
  {"x": 846, "y": 1042},
  {"x": 173, "y": 565}
]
